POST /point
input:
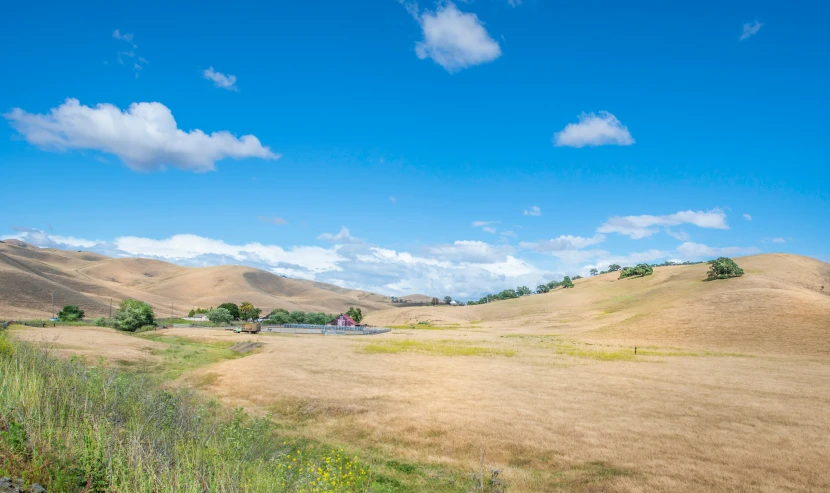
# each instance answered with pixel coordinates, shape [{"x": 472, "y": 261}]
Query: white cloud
[
  {"x": 750, "y": 29},
  {"x": 506, "y": 233},
  {"x": 594, "y": 130},
  {"x": 145, "y": 137},
  {"x": 677, "y": 235},
  {"x": 778, "y": 240},
  {"x": 272, "y": 220},
  {"x": 454, "y": 39},
  {"x": 533, "y": 211},
  {"x": 489, "y": 229},
  {"x": 562, "y": 243},
  {"x": 342, "y": 236},
  {"x": 698, "y": 251},
  {"x": 221, "y": 80},
  {"x": 637, "y": 227},
  {"x": 747, "y": 217},
  {"x": 478, "y": 224},
  {"x": 514, "y": 3},
  {"x": 128, "y": 37},
  {"x": 471, "y": 252},
  {"x": 605, "y": 259}
]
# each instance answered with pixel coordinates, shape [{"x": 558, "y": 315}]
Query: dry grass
[
  {"x": 736, "y": 398},
  {"x": 440, "y": 348}
]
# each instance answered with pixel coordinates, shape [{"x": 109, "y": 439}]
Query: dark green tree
[
  {"x": 542, "y": 288},
  {"x": 640, "y": 270},
  {"x": 553, "y": 285},
  {"x": 523, "y": 290},
  {"x": 614, "y": 267},
  {"x": 280, "y": 317},
  {"x": 357, "y": 314},
  {"x": 220, "y": 315},
  {"x": 247, "y": 311},
  {"x": 233, "y": 308},
  {"x": 70, "y": 313},
  {"x": 132, "y": 315},
  {"x": 566, "y": 282},
  {"x": 723, "y": 268},
  {"x": 594, "y": 272},
  {"x": 447, "y": 300}
]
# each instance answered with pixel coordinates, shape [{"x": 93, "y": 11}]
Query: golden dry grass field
[{"x": 729, "y": 390}]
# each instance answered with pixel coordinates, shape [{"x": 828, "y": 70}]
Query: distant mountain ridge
[{"x": 29, "y": 276}]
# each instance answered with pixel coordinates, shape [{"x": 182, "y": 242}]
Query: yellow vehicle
[{"x": 249, "y": 328}]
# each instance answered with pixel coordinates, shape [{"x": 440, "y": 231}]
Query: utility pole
[
  {"x": 171, "y": 309},
  {"x": 110, "y": 307},
  {"x": 53, "y": 304}
]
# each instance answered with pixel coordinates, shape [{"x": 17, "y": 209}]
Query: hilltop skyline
[{"x": 400, "y": 148}]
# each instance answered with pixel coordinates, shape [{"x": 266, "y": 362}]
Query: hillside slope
[
  {"x": 29, "y": 275},
  {"x": 778, "y": 306}
]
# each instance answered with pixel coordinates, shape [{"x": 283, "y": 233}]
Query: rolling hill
[
  {"x": 29, "y": 275},
  {"x": 780, "y": 305}
]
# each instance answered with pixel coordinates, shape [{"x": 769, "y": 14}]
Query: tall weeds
[{"x": 72, "y": 427}]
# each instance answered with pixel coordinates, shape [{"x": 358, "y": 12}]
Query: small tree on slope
[{"x": 723, "y": 268}]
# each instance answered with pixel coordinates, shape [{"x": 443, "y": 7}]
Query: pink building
[{"x": 343, "y": 321}]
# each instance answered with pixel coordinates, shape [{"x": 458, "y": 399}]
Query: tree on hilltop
[
  {"x": 640, "y": 270},
  {"x": 723, "y": 268},
  {"x": 614, "y": 267},
  {"x": 566, "y": 282}
]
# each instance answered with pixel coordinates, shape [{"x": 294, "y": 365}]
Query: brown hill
[
  {"x": 30, "y": 275},
  {"x": 778, "y": 306}
]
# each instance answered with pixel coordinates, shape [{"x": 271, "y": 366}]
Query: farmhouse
[{"x": 343, "y": 321}]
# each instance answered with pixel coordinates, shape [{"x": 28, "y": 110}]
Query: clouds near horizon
[{"x": 636, "y": 227}]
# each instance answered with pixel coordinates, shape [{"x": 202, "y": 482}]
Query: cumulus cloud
[
  {"x": 145, "y": 137},
  {"x": 562, "y": 243},
  {"x": 747, "y": 217},
  {"x": 471, "y": 252},
  {"x": 637, "y": 227},
  {"x": 342, "y": 236},
  {"x": 594, "y": 130},
  {"x": 272, "y": 220},
  {"x": 533, "y": 211},
  {"x": 750, "y": 29},
  {"x": 453, "y": 39},
  {"x": 221, "y": 80},
  {"x": 698, "y": 251}
]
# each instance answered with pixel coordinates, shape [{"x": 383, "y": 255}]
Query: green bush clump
[
  {"x": 100, "y": 322},
  {"x": 723, "y": 268},
  {"x": 639, "y": 271},
  {"x": 70, "y": 313},
  {"x": 133, "y": 315}
]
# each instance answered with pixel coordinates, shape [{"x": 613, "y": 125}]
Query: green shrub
[
  {"x": 100, "y": 322},
  {"x": 70, "y": 313},
  {"x": 220, "y": 316},
  {"x": 146, "y": 328},
  {"x": 723, "y": 268},
  {"x": 639, "y": 271},
  {"x": 6, "y": 348},
  {"x": 132, "y": 315}
]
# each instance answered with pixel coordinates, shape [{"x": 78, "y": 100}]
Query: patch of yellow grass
[{"x": 440, "y": 348}]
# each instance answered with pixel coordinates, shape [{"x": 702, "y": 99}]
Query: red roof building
[{"x": 343, "y": 321}]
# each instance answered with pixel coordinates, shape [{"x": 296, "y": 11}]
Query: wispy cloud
[
  {"x": 562, "y": 243},
  {"x": 393, "y": 199},
  {"x": 778, "y": 240},
  {"x": 594, "y": 130},
  {"x": 123, "y": 55},
  {"x": 221, "y": 80},
  {"x": 145, "y": 136},
  {"x": 486, "y": 226},
  {"x": 637, "y": 227},
  {"x": 342, "y": 236},
  {"x": 453, "y": 39},
  {"x": 747, "y": 217},
  {"x": 272, "y": 220},
  {"x": 533, "y": 211},
  {"x": 750, "y": 29},
  {"x": 697, "y": 251}
]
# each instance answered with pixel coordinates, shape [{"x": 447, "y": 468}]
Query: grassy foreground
[{"x": 71, "y": 427}]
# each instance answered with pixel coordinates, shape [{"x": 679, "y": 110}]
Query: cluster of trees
[
  {"x": 282, "y": 316},
  {"x": 520, "y": 291},
  {"x": 133, "y": 315},
  {"x": 227, "y": 312},
  {"x": 639, "y": 270},
  {"x": 724, "y": 268}
]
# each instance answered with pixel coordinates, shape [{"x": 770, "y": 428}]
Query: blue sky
[{"x": 465, "y": 148}]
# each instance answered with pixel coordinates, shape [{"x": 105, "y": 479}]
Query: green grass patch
[
  {"x": 183, "y": 354},
  {"x": 440, "y": 348}
]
